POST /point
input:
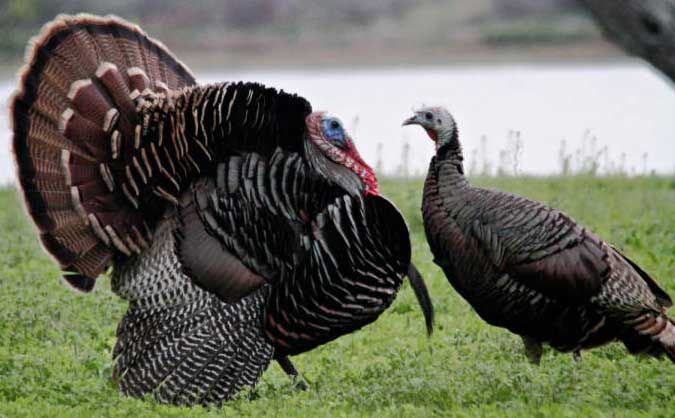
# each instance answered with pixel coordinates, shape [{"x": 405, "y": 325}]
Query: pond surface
[{"x": 621, "y": 115}]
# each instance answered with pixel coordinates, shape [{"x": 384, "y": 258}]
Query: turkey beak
[{"x": 411, "y": 121}]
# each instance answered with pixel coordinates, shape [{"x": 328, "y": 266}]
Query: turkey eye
[
  {"x": 428, "y": 116},
  {"x": 334, "y": 124}
]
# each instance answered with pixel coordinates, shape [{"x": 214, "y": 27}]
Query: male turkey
[
  {"x": 240, "y": 226},
  {"x": 532, "y": 269}
]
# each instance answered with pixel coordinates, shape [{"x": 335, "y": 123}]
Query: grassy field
[{"x": 55, "y": 344}]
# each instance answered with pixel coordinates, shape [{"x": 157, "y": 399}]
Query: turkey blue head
[
  {"x": 437, "y": 122},
  {"x": 334, "y": 131},
  {"x": 332, "y": 153}
]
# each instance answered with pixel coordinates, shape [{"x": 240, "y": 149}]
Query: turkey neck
[{"x": 449, "y": 161}]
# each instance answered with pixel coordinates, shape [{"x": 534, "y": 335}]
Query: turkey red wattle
[
  {"x": 432, "y": 134},
  {"x": 364, "y": 171}
]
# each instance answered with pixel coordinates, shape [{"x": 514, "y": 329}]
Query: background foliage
[{"x": 324, "y": 26}]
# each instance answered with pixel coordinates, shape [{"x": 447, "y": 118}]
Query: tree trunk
[{"x": 643, "y": 27}]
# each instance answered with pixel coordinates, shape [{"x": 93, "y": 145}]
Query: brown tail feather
[
  {"x": 666, "y": 338},
  {"x": 73, "y": 111},
  {"x": 652, "y": 334}
]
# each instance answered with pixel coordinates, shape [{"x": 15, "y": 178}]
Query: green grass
[{"x": 55, "y": 344}]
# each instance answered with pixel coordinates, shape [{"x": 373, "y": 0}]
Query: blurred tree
[{"x": 643, "y": 27}]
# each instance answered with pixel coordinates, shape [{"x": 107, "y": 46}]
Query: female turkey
[
  {"x": 532, "y": 269},
  {"x": 240, "y": 226}
]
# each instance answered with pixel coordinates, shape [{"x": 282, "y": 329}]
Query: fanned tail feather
[
  {"x": 73, "y": 116},
  {"x": 179, "y": 342}
]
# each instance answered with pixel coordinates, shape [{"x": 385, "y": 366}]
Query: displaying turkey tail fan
[{"x": 72, "y": 116}]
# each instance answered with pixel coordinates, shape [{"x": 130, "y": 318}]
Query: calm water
[{"x": 627, "y": 107}]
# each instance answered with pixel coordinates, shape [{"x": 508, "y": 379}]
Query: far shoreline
[{"x": 377, "y": 56}]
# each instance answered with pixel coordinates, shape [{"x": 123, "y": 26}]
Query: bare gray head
[{"x": 439, "y": 124}]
